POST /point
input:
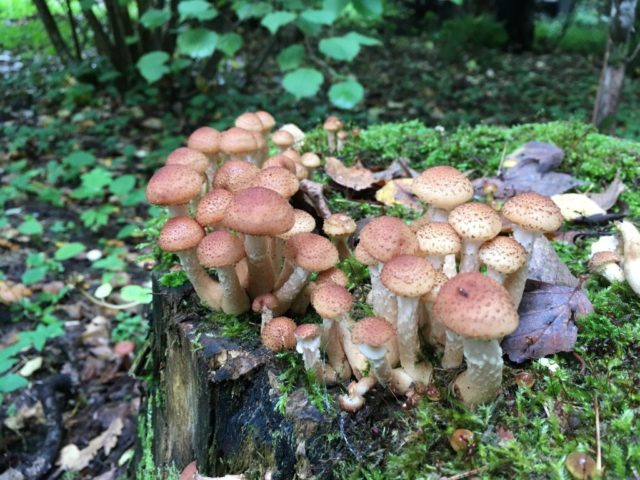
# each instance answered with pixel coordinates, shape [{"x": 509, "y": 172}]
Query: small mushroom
[
  {"x": 308, "y": 344},
  {"x": 443, "y": 188},
  {"x": 264, "y": 305},
  {"x": 631, "y": 262},
  {"x": 331, "y": 125},
  {"x": 502, "y": 256},
  {"x": 338, "y": 227},
  {"x": 174, "y": 186},
  {"x": 372, "y": 334},
  {"x": 607, "y": 264},
  {"x": 278, "y": 335}
]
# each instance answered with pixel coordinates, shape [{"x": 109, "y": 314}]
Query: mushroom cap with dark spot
[
  {"x": 476, "y": 306},
  {"x": 311, "y": 252},
  {"x": 438, "y": 238},
  {"x": 220, "y": 249},
  {"x": 179, "y": 234},
  {"x": 235, "y": 175},
  {"x": 534, "y": 212},
  {"x": 503, "y": 254},
  {"x": 372, "y": 331},
  {"x": 475, "y": 221},
  {"x": 174, "y": 185},
  {"x": 278, "y": 334},
  {"x": 386, "y": 237},
  {"x": 188, "y": 157},
  {"x": 259, "y": 211},
  {"x": 211, "y": 207},
  {"x": 408, "y": 275},
  {"x": 205, "y": 140},
  {"x": 331, "y": 300},
  {"x": 443, "y": 187}
]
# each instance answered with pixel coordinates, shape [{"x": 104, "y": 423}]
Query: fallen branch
[{"x": 313, "y": 191}]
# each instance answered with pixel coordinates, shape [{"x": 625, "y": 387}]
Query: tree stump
[{"x": 216, "y": 404}]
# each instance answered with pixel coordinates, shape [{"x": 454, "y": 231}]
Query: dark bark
[
  {"x": 74, "y": 31},
  {"x": 615, "y": 63},
  {"x": 517, "y": 16},
  {"x": 52, "y": 30},
  {"x": 123, "y": 56}
]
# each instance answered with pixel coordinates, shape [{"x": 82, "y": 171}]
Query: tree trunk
[
  {"x": 52, "y": 30},
  {"x": 217, "y": 403},
  {"x": 615, "y": 61}
]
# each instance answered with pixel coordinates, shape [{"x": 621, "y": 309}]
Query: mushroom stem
[
  {"x": 631, "y": 262},
  {"x": 179, "y": 210},
  {"x": 470, "y": 262},
  {"x": 408, "y": 344},
  {"x": 480, "y": 382},
  {"x": 209, "y": 291},
  {"x": 438, "y": 214},
  {"x": 261, "y": 273},
  {"x": 333, "y": 347},
  {"x": 354, "y": 400},
  {"x": 378, "y": 362},
  {"x": 453, "y": 351},
  {"x": 266, "y": 315},
  {"x": 235, "y": 299},
  {"x": 614, "y": 273},
  {"x": 497, "y": 276},
  {"x": 436, "y": 261},
  {"x": 526, "y": 238},
  {"x": 449, "y": 268},
  {"x": 294, "y": 284},
  {"x": 355, "y": 358}
]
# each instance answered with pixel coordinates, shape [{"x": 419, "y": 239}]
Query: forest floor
[{"x": 74, "y": 161}]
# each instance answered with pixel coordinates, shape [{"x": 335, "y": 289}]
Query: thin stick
[
  {"x": 598, "y": 446},
  {"x": 465, "y": 474},
  {"x": 113, "y": 306}
]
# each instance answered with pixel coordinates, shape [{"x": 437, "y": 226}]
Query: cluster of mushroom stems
[{"x": 231, "y": 213}]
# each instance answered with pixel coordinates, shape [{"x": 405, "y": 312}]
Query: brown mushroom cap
[
  {"x": 267, "y": 120},
  {"x": 278, "y": 334},
  {"x": 249, "y": 121},
  {"x": 476, "y": 306},
  {"x": 439, "y": 279},
  {"x": 307, "y": 331},
  {"x": 443, "y": 187},
  {"x": 281, "y": 161},
  {"x": 601, "y": 259},
  {"x": 220, "y": 249},
  {"x": 278, "y": 179},
  {"x": 338, "y": 225},
  {"x": 475, "y": 221},
  {"x": 386, "y": 237},
  {"x": 188, "y": 157},
  {"x": 266, "y": 300},
  {"x": 438, "y": 238},
  {"x": 361, "y": 255},
  {"x": 259, "y": 211},
  {"x": 408, "y": 275},
  {"x": 332, "y": 124},
  {"x": 372, "y": 331},
  {"x": 205, "y": 140},
  {"x": 179, "y": 234},
  {"x": 235, "y": 175},
  {"x": 237, "y": 141},
  {"x": 503, "y": 254},
  {"x": 331, "y": 300},
  {"x": 303, "y": 222},
  {"x": 210, "y": 209},
  {"x": 174, "y": 185},
  {"x": 310, "y": 160},
  {"x": 534, "y": 212},
  {"x": 282, "y": 139},
  {"x": 333, "y": 274},
  {"x": 311, "y": 252}
]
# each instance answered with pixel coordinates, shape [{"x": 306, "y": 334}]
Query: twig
[
  {"x": 113, "y": 306},
  {"x": 634, "y": 54},
  {"x": 465, "y": 474},
  {"x": 596, "y": 409},
  {"x": 313, "y": 190}
]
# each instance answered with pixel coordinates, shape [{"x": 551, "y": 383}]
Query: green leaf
[
  {"x": 122, "y": 185},
  {"x": 127, "y": 231},
  {"x": 340, "y": 48},
  {"x": 275, "y": 20},
  {"x": 31, "y": 226},
  {"x": 154, "y": 18},
  {"x": 68, "y": 251},
  {"x": 303, "y": 82},
  {"x": 369, "y": 8},
  {"x": 290, "y": 57},
  {"x": 322, "y": 17},
  {"x": 153, "y": 65},
  {"x": 346, "y": 94},
  {"x": 335, "y": 6},
  {"x": 197, "y": 42},
  {"x": 251, "y": 9},
  {"x": 199, "y": 9},
  {"x": 11, "y": 382},
  {"x": 34, "y": 275},
  {"x": 103, "y": 291},
  {"x": 136, "y": 293},
  {"x": 363, "y": 39},
  {"x": 38, "y": 337},
  {"x": 112, "y": 262},
  {"x": 80, "y": 159},
  {"x": 93, "y": 183},
  {"x": 173, "y": 279},
  {"x": 230, "y": 43}
]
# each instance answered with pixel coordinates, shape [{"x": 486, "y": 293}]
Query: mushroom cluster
[{"x": 231, "y": 213}]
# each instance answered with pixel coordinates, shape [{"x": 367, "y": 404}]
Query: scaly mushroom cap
[
  {"x": 439, "y": 279},
  {"x": 266, "y": 300},
  {"x": 311, "y": 252},
  {"x": 600, "y": 259},
  {"x": 220, "y": 249},
  {"x": 361, "y": 255},
  {"x": 338, "y": 225},
  {"x": 331, "y": 300},
  {"x": 333, "y": 274},
  {"x": 386, "y": 237},
  {"x": 174, "y": 185},
  {"x": 267, "y": 120},
  {"x": 372, "y": 331},
  {"x": 179, "y": 234},
  {"x": 443, "y": 187},
  {"x": 310, "y": 160},
  {"x": 189, "y": 157},
  {"x": 476, "y": 306},
  {"x": 237, "y": 141},
  {"x": 307, "y": 331},
  {"x": 303, "y": 222},
  {"x": 332, "y": 124},
  {"x": 534, "y": 212},
  {"x": 249, "y": 121},
  {"x": 408, "y": 275},
  {"x": 282, "y": 139},
  {"x": 259, "y": 211},
  {"x": 205, "y": 140},
  {"x": 475, "y": 221},
  {"x": 503, "y": 254},
  {"x": 278, "y": 179},
  {"x": 437, "y": 238},
  {"x": 278, "y": 334},
  {"x": 210, "y": 210},
  {"x": 235, "y": 175},
  {"x": 280, "y": 161}
]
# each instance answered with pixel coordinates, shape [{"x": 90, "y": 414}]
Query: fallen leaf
[
  {"x": 72, "y": 458},
  {"x": 16, "y": 422},
  {"x": 546, "y": 155},
  {"x": 547, "y": 321},
  {"x": 609, "y": 197},
  {"x": 356, "y": 178},
  {"x": 397, "y": 169},
  {"x": 546, "y": 266},
  {"x": 576, "y": 205},
  {"x": 31, "y": 366},
  {"x": 398, "y": 192},
  {"x": 11, "y": 292}
]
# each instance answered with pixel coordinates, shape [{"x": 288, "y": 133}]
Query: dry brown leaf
[
  {"x": 576, "y": 205},
  {"x": 25, "y": 412},
  {"x": 11, "y": 292},
  {"x": 7, "y": 245},
  {"x": 398, "y": 192},
  {"x": 356, "y": 178},
  {"x": 609, "y": 197},
  {"x": 72, "y": 458}
]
